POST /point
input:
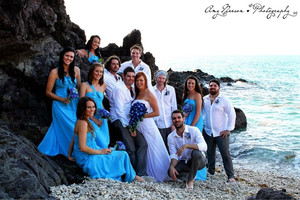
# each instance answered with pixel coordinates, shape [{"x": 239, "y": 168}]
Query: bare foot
[{"x": 138, "y": 178}]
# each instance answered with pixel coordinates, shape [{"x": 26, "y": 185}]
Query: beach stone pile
[{"x": 32, "y": 35}]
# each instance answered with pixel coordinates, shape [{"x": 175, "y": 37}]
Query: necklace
[{"x": 143, "y": 91}]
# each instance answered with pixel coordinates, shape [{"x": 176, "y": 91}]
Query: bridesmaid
[
  {"x": 91, "y": 51},
  {"x": 65, "y": 76},
  {"x": 97, "y": 162},
  {"x": 192, "y": 95},
  {"x": 95, "y": 88}
]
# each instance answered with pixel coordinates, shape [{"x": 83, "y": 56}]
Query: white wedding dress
[{"x": 158, "y": 160}]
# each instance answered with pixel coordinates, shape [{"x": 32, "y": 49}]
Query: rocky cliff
[{"x": 32, "y": 33}]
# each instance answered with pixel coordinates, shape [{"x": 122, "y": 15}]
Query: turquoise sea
[{"x": 271, "y": 102}]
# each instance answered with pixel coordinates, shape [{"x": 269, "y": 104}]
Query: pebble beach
[{"x": 248, "y": 183}]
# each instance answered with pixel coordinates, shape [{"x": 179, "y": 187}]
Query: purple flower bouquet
[
  {"x": 72, "y": 94},
  {"x": 137, "y": 112},
  {"x": 104, "y": 114},
  {"x": 120, "y": 146},
  {"x": 187, "y": 108}
]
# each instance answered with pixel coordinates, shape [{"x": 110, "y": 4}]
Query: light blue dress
[
  {"x": 110, "y": 166},
  {"x": 102, "y": 132},
  {"x": 60, "y": 133},
  {"x": 190, "y": 118},
  {"x": 201, "y": 174}
]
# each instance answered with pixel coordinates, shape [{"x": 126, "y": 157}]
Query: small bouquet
[
  {"x": 104, "y": 114},
  {"x": 120, "y": 146},
  {"x": 187, "y": 108},
  {"x": 72, "y": 94},
  {"x": 137, "y": 112}
]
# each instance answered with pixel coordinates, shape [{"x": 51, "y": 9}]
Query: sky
[{"x": 172, "y": 28}]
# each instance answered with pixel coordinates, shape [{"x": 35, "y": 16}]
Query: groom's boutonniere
[
  {"x": 217, "y": 101},
  {"x": 188, "y": 136},
  {"x": 167, "y": 93},
  {"x": 141, "y": 68}
]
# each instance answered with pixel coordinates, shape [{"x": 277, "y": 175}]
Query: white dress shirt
[
  {"x": 142, "y": 67},
  {"x": 111, "y": 82},
  {"x": 167, "y": 103},
  {"x": 121, "y": 104},
  {"x": 191, "y": 135},
  {"x": 219, "y": 116}
]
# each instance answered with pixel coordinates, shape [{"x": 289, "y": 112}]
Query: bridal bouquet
[
  {"x": 104, "y": 114},
  {"x": 72, "y": 94},
  {"x": 187, "y": 108},
  {"x": 137, "y": 112}
]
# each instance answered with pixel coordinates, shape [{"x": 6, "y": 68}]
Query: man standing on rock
[
  {"x": 166, "y": 99},
  {"x": 136, "y": 147},
  {"x": 187, "y": 147},
  {"x": 219, "y": 120},
  {"x": 136, "y": 63}
]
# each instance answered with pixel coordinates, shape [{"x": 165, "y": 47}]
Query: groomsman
[
  {"x": 219, "y": 120},
  {"x": 136, "y": 63},
  {"x": 111, "y": 78},
  {"x": 187, "y": 147},
  {"x": 167, "y": 103},
  {"x": 136, "y": 147}
]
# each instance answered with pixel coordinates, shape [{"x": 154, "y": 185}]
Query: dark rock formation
[
  {"x": 25, "y": 172},
  {"x": 269, "y": 193}
]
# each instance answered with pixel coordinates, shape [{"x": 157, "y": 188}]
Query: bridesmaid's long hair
[
  {"x": 80, "y": 112},
  {"x": 88, "y": 46},
  {"x": 61, "y": 72},
  {"x": 91, "y": 71},
  {"x": 198, "y": 88},
  {"x": 136, "y": 89}
]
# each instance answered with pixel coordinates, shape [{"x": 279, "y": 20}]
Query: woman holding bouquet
[
  {"x": 158, "y": 160},
  {"x": 97, "y": 162},
  {"x": 62, "y": 79},
  {"x": 192, "y": 95},
  {"x": 95, "y": 88}
]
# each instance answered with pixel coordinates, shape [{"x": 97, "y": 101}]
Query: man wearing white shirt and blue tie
[
  {"x": 167, "y": 103},
  {"x": 219, "y": 120}
]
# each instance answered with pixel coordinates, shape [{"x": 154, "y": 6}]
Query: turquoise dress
[
  {"x": 92, "y": 57},
  {"x": 60, "y": 133},
  {"x": 102, "y": 132},
  {"x": 110, "y": 166},
  {"x": 201, "y": 174},
  {"x": 190, "y": 118}
]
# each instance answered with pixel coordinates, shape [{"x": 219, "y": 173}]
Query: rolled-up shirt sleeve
[
  {"x": 229, "y": 110},
  {"x": 202, "y": 146},
  {"x": 172, "y": 148}
]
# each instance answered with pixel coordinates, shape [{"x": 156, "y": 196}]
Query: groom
[{"x": 121, "y": 99}]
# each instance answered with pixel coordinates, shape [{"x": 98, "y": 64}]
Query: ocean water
[{"x": 271, "y": 102}]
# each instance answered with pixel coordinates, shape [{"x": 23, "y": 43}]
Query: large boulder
[{"x": 25, "y": 172}]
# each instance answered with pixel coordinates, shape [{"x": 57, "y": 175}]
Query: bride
[{"x": 158, "y": 160}]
